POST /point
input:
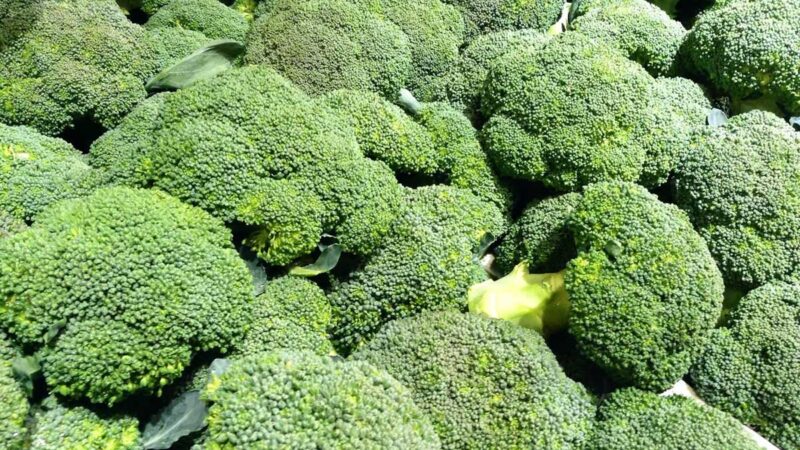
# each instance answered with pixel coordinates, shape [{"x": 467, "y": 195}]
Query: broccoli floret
[
  {"x": 37, "y": 170},
  {"x": 747, "y": 49},
  {"x": 487, "y": 16},
  {"x": 135, "y": 281},
  {"x": 750, "y": 369},
  {"x": 58, "y": 427},
  {"x": 13, "y": 402},
  {"x": 168, "y": 45},
  {"x": 630, "y": 418},
  {"x": 484, "y": 383},
  {"x": 740, "y": 184},
  {"x": 427, "y": 262},
  {"x": 640, "y": 297},
  {"x": 540, "y": 237},
  {"x": 10, "y": 225},
  {"x": 16, "y": 17},
  {"x": 210, "y": 17},
  {"x": 324, "y": 45},
  {"x": 152, "y": 6},
  {"x": 564, "y": 114},
  {"x": 302, "y": 400}
]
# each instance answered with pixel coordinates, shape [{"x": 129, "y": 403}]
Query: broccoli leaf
[
  {"x": 326, "y": 261},
  {"x": 717, "y": 118},
  {"x": 795, "y": 122},
  {"x": 183, "y": 416},
  {"x": 205, "y": 63}
]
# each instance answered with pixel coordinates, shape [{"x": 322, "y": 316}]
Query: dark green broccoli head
[
  {"x": 563, "y": 114},
  {"x": 630, "y": 418},
  {"x": 302, "y": 400},
  {"x": 57, "y": 427},
  {"x": 484, "y": 383},
  {"x": 37, "y": 171},
  {"x": 324, "y": 45},
  {"x": 13, "y": 401},
  {"x": 487, "y": 16},
  {"x": 134, "y": 282},
  {"x": 747, "y": 49},
  {"x": 642, "y": 31},
  {"x": 16, "y": 17},
  {"x": 750, "y": 368},
  {"x": 740, "y": 184},
  {"x": 210, "y": 17}
]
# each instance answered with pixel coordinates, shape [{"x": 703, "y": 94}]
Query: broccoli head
[
  {"x": 13, "y": 401},
  {"x": 750, "y": 368},
  {"x": 210, "y": 17},
  {"x": 302, "y": 400},
  {"x": 630, "y": 418},
  {"x": 747, "y": 50},
  {"x": 131, "y": 282},
  {"x": 10, "y": 225},
  {"x": 484, "y": 383},
  {"x": 488, "y": 16},
  {"x": 640, "y": 297},
  {"x": 740, "y": 184}
]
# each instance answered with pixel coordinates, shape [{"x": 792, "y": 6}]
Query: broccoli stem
[{"x": 536, "y": 301}]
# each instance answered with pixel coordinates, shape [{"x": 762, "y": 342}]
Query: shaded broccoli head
[
  {"x": 740, "y": 184},
  {"x": 210, "y": 17},
  {"x": 133, "y": 283},
  {"x": 484, "y": 383},
  {"x": 750, "y": 368},
  {"x": 301, "y": 400},
  {"x": 487, "y": 16}
]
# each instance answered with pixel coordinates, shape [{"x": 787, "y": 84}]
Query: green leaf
[
  {"x": 209, "y": 61},
  {"x": 26, "y": 370},
  {"x": 486, "y": 243},
  {"x": 219, "y": 366},
  {"x": 183, "y": 416},
  {"x": 326, "y": 261},
  {"x": 257, "y": 271},
  {"x": 613, "y": 249},
  {"x": 717, "y": 118},
  {"x": 54, "y": 331}
]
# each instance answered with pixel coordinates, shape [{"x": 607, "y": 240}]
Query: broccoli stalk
[{"x": 536, "y": 301}]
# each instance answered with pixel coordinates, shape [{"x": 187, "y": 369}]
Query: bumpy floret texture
[
  {"x": 302, "y": 400},
  {"x": 644, "y": 32},
  {"x": 484, "y": 383},
  {"x": 10, "y": 225},
  {"x": 630, "y": 418},
  {"x": 37, "y": 170},
  {"x": 751, "y": 368},
  {"x": 487, "y": 16},
  {"x": 644, "y": 289},
  {"x": 747, "y": 49},
  {"x": 135, "y": 281},
  {"x": 59, "y": 427},
  {"x": 13, "y": 401},
  {"x": 332, "y": 44},
  {"x": 210, "y": 17},
  {"x": 740, "y": 184},
  {"x": 539, "y": 130}
]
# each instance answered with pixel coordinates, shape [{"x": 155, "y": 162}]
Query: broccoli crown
[
  {"x": 152, "y": 6},
  {"x": 750, "y": 368},
  {"x": 488, "y": 16},
  {"x": 37, "y": 170},
  {"x": 630, "y": 418},
  {"x": 565, "y": 137},
  {"x": 644, "y": 289},
  {"x": 740, "y": 184},
  {"x": 168, "y": 45},
  {"x": 302, "y": 400},
  {"x": 747, "y": 49},
  {"x": 426, "y": 263},
  {"x": 10, "y": 225},
  {"x": 57, "y": 427},
  {"x": 324, "y": 45},
  {"x": 642, "y": 31},
  {"x": 484, "y": 383},
  {"x": 540, "y": 236},
  {"x": 135, "y": 281},
  {"x": 210, "y": 17},
  {"x": 13, "y": 402},
  {"x": 16, "y": 17}
]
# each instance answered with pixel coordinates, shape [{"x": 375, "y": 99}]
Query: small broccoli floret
[
  {"x": 324, "y": 45},
  {"x": 640, "y": 297},
  {"x": 10, "y": 225},
  {"x": 642, "y": 31},
  {"x": 565, "y": 137},
  {"x": 747, "y": 50},
  {"x": 630, "y": 418},
  {"x": 135, "y": 281},
  {"x": 484, "y": 383},
  {"x": 152, "y": 6},
  {"x": 58, "y": 427},
  {"x": 540, "y": 237},
  {"x": 13, "y": 402},
  {"x": 487, "y": 16},
  {"x": 740, "y": 184},
  {"x": 168, "y": 45},
  {"x": 750, "y": 369},
  {"x": 16, "y": 17},
  {"x": 210, "y": 17},
  {"x": 302, "y": 400},
  {"x": 37, "y": 170}
]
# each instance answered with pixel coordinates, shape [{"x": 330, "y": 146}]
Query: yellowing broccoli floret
[
  {"x": 58, "y": 427},
  {"x": 135, "y": 283},
  {"x": 210, "y": 17}
]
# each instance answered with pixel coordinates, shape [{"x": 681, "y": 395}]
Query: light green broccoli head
[
  {"x": 488, "y": 16},
  {"x": 133, "y": 281},
  {"x": 58, "y": 427},
  {"x": 750, "y": 367},
  {"x": 301, "y": 400},
  {"x": 210, "y": 17},
  {"x": 740, "y": 184},
  {"x": 484, "y": 383}
]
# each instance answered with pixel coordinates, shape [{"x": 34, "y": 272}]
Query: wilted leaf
[
  {"x": 326, "y": 261},
  {"x": 183, "y": 416},
  {"x": 205, "y": 63}
]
